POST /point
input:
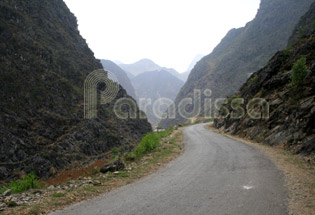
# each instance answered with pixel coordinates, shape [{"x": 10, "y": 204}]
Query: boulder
[
  {"x": 112, "y": 167},
  {"x": 7, "y": 193}
]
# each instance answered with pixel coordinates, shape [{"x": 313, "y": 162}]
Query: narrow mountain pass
[{"x": 215, "y": 175}]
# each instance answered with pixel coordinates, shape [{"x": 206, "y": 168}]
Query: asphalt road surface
[{"x": 215, "y": 175}]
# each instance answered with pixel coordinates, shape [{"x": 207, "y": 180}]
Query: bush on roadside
[
  {"x": 18, "y": 186},
  {"x": 166, "y": 133},
  {"x": 148, "y": 144}
]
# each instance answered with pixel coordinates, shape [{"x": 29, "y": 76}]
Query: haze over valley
[{"x": 157, "y": 107}]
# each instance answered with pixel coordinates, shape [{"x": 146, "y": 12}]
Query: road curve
[{"x": 214, "y": 176}]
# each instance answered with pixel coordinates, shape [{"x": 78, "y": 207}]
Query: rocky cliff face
[
  {"x": 292, "y": 106},
  {"x": 121, "y": 75},
  {"x": 155, "y": 85},
  {"x": 242, "y": 52},
  {"x": 44, "y": 62}
]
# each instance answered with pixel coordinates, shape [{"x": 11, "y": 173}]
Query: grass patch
[
  {"x": 89, "y": 188},
  {"x": 57, "y": 195},
  {"x": 148, "y": 144},
  {"x": 18, "y": 186},
  {"x": 122, "y": 175},
  {"x": 117, "y": 175}
]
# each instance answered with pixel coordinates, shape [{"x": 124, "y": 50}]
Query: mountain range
[
  {"x": 240, "y": 53},
  {"x": 147, "y": 65},
  {"x": 121, "y": 76},
  {"x": 147, "y": 85},
  {"x": 151, "y": 84}
]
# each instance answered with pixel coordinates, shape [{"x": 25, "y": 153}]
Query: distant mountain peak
[{"x": 146, "y": 60}]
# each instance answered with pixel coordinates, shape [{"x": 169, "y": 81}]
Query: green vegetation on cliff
[{"x": 299, "y": 72}]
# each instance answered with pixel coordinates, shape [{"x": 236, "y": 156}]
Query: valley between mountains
[{"x": 233, "y": 133}]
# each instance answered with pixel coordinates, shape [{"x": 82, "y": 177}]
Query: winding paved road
[{"x": 214, "y": 176}]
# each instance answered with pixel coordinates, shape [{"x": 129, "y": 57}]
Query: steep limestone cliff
[
  {"x": 242, "y": 52},
  {"x": 44, "y": 62},
  {"x": 287, "y": 83}
]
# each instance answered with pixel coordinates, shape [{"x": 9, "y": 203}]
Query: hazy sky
[{"x": 169, "y": 32}]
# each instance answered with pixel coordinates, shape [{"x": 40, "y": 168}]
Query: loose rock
[
  {"x": 112, "y": 167},
  {"x": 7, "y": 193}
]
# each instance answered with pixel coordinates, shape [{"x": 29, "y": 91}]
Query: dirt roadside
[{"x": 93, "y": 183}]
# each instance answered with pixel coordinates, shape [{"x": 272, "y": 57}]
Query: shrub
[
  {"x": 148, "y": 144},
  {"x": 27, "y": 182},
  {"x": 129, "y": 156},
  {"x": 300, "y": 71},
  {"x": 166, "y": 133}
]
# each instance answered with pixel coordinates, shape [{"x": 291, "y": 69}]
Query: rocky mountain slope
[
  {"x": 193, "y": 63},
  {"x": 242, "y": 52},
  {"x": 287, "y": 83},
  {"x": 44, "y": 62},
  {"x": 121, "y": 75},
  {"x": 184, "y": 75},
  {"x": 155, "y": 85}
]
